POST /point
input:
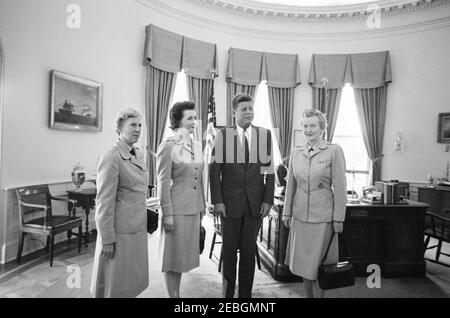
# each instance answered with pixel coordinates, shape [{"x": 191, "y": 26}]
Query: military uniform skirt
[
  {"x": 126, "y": 275},
  {"x": 181, "y": 247},
  {"x": 306, "y": 246}
]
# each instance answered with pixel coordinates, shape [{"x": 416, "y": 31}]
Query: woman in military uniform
[
  {"x": 315, "y": 201},
  {"x": 121, "y": 258},
  {"x": 180, "y": 190}
]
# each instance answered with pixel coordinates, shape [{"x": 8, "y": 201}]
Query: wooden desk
[
  {"x": 86, "y": 200},
  {"x": 388, "y": 235}
]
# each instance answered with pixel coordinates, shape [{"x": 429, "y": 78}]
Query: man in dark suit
[{"x": 242, "y": 189}]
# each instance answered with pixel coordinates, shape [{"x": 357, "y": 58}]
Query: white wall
[{"x": 109, "y": 48}]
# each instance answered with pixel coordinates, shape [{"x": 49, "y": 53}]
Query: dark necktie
[
  {"x": 247, "y": 152},
  {"x": 133, "y": 152}
]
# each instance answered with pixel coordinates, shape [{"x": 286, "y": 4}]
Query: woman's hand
[
  {"x": 287, "y": 220},
  {"x": 108, "y": 250},
  {"x": 338, "y": 227},
  {"x": 168, "y": 223}
]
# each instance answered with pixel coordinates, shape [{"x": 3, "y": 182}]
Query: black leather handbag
[
  {"x": 338, "y": 275},
  {"x": 152, "y": 221}
]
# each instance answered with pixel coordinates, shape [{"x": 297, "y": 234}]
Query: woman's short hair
[
  {"x": 177, "y": 112},
  {"x": 123, "y": 115},
  {"x": 323, "y": 122}
]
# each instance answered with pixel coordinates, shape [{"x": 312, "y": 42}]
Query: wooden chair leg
[
  {"x": 258, "y": 262},
  {"x": 47, "y": 244},
  {"x": 80, "y": 235},
  {"x": 52, "y": 246},
  {"x": 220, "y": 260},
  {"x": 438, "y": 251},
  {"x": 427, "y": 241},
  {"x": 212, "y": 245},
  {"x": 19, "y": 251},
  {"x": 69, "y": 236}
]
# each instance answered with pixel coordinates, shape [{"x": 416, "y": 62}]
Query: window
[
  {"x": 180, "y": 94},
  {"x": 263, "y": 118},
  {"x": 348, "y": 135}
]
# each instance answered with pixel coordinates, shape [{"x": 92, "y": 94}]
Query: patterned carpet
[{"x": 35, "y": 278}]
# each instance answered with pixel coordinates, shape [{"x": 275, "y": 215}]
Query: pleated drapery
[
  {"x": 328, "y": 101},
  {"x": 165, "y": 54},
  {"x": 369, "y": 74},
  {"x": 371, "y": 108},
  {"x": 158, "y": 91},
  {"x": 200, "y": 91},
  {"x": 281, "y": 101},
  {"x": 246, "y": 69}
]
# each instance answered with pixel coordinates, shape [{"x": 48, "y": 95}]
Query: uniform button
[
  {"x": 320, "y": 185},
  {"x": 195, "y": 188},
  {"x": 196, "y": 168},
  {"x": 195, "y": 178}
]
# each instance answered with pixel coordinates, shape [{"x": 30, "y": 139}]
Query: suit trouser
[{"x": 239, "y": 234}]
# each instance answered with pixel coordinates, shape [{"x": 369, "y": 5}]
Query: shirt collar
[{"x": 241, "y": 130}]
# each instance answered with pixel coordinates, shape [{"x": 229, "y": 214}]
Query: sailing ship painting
[{"x": 76, "y": 103}]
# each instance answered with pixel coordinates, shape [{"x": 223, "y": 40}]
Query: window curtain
[
  {"x": 246, "y": 69},
  {"x": 165, "y": 54},
  {"x": 371, "y": 74},
  {"x": 201, "y": 66},
  {"x": 243, "y": 76},
  {"x": 327, "y": 100},
  {"x": 282, "y": 73},
  {"x": 162, "y": 59},
  {"x": 159, "y": 90},
  {"x": 371, "y": 109},
  {"x": 327, "y": 75}
]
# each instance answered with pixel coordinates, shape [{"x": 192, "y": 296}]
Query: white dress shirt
[{"x": 248, "y": 135}]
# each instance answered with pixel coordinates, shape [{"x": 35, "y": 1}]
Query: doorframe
[{"x": 2, "y": 190}]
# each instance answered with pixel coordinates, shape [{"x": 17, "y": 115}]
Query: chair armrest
[
  {"x": 63, "y": 198},
  {"x": 31, "y": 205},
  {"x": 441, "y": 217}
]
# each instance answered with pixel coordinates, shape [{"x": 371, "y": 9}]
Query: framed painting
[
  {"x": 75, "y": 103},
  {"x": 444, "y": 128}
]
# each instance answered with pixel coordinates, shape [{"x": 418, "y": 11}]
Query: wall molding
[
  {"x": 366, "y": 33},
  {"x": 322, "y": 14}
]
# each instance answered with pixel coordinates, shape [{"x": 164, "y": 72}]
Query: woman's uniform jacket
[
  {"x": 180, "y": 181},
  {"x": 316, "y": 188},
  {"x": 121, "y": 218}
]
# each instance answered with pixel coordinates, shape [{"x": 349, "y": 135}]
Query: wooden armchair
[
  {"x": 36, "y": 217},
  {"x": 438, "y": 227}
]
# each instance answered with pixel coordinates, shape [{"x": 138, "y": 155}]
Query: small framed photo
[
  {"x": 75, "y": 103},
  {"x": 444, "y": 128}
]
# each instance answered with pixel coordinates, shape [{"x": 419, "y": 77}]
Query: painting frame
[
  {"x": 82, "y": 109},
  {"x": 443, "y": 128}
]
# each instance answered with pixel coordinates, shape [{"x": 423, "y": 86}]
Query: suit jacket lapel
[
  {"x": 126, "y": 155},
  {"x": 321, "y": 145}
]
